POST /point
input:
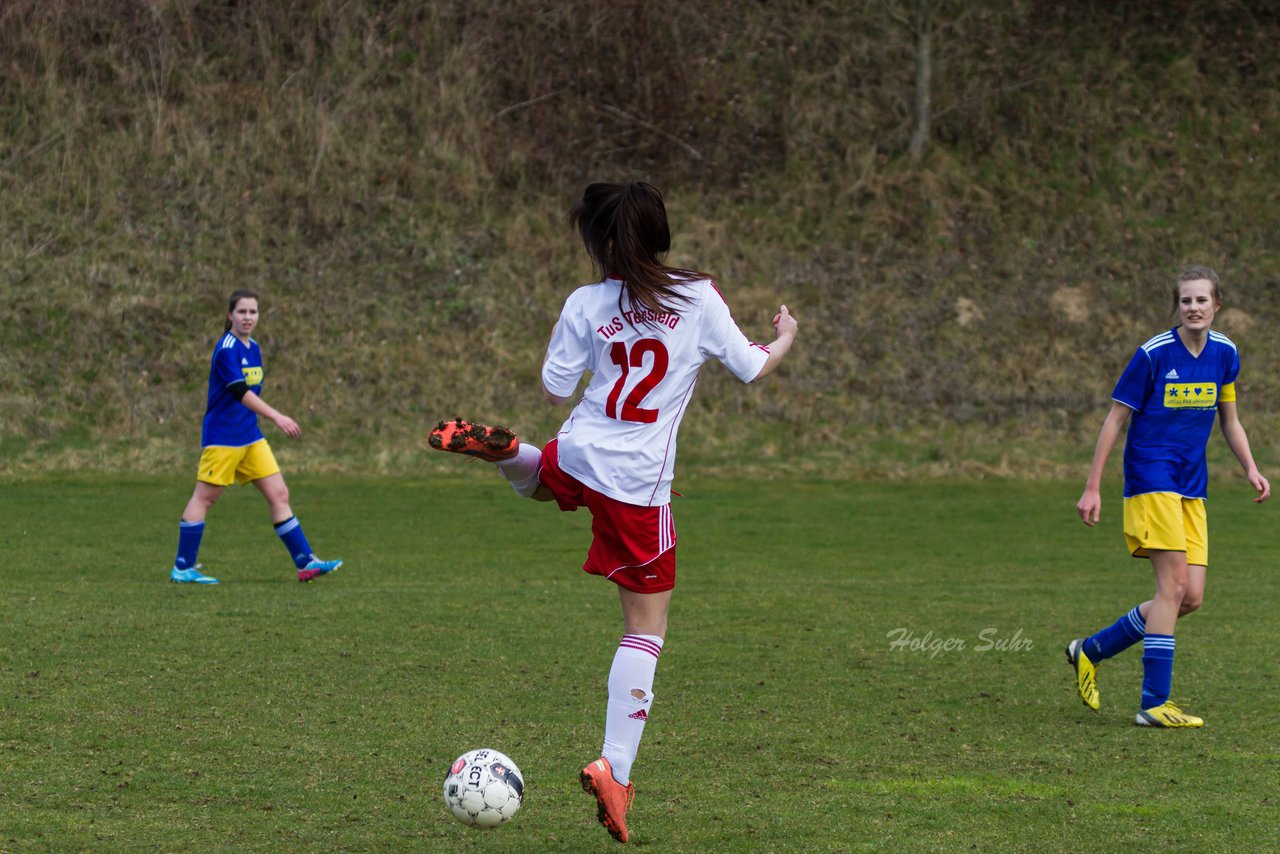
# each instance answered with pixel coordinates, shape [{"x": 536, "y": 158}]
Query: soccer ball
[{"x": 483, "y": 788}]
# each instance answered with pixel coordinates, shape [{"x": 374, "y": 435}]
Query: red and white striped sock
[{"x": 634, "y": 665}]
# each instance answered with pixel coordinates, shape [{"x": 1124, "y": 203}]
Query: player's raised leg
[
  {"x": 518, "y": 462},
  {"x": 1087, "y": 654}
]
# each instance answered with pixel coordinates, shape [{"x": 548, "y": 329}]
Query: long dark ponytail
[
  {"x": 624, "y": 228},
  {"x": 236, "y": 296}
]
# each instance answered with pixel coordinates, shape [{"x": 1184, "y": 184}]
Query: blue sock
[
  {"x": 189, "y": 534},
  {"x": 1157, "y": 670},
  {"x": 1117, "y": 637},
  {"x": 290, "y": 533}
]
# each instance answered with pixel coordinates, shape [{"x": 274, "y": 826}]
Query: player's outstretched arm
[{"x": 785, "y": 327}]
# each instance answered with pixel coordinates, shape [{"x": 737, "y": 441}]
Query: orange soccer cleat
[
  {"x": 492, "y": 444},
  {"x": 612, "y": 798}
]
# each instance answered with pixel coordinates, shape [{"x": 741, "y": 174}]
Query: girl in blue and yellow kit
[
  {"x": 1172, "y": 389},
  {"x": 235, "y": 451}
]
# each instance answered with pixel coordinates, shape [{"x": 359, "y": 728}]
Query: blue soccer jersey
[
  {"x": 1174, "y": 397},
  {"x": 227, "y": 421}
]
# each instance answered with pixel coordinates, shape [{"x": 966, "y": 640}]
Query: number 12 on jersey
[{"x": 618, "y": 354}]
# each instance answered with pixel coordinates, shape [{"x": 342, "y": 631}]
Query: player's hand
[
  {"x": 1263, "y": 486},
  {"x": 1089, "y": 507},
  {"x": 288, "y": 426},
  {"x": 784, "y": 323}
]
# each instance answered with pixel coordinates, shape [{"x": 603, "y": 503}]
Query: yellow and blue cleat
[
  {"x": 1086, "y": 674},
  {"x": 1167, "y": 715}
]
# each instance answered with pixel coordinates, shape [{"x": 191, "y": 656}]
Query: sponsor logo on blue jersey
[{"x": 1190, "y": 395}]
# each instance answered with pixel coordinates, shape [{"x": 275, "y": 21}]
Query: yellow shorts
[
  {"x": 221, "y": 466},
  {"x": 1168, "y": 522}
]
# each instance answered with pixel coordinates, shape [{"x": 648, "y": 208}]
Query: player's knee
[
  {"x": 1174, "y": 590},
  {"x": 279, "y": 497},
  {"x": 1190, "y": 603}
]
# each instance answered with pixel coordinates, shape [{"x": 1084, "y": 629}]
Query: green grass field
[{"x": 264, "y": 715}]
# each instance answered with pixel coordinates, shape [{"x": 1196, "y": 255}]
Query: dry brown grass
[{"x": 394, "y": 178}]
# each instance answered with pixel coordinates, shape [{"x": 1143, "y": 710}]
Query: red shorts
[{"x": 632, "y": 546}]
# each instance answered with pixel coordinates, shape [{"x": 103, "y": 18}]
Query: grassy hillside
[{"x": 394, "y": 178}]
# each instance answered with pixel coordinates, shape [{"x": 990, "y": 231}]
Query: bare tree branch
[
  {"x": 614, "y": 111},
  {"x": 529, "y": 103}
]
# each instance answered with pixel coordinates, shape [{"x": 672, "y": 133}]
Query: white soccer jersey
[{"x": 620, "y": 439}]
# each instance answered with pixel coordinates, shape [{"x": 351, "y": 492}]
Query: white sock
[
  {"x": 521, "y": 471},
  {"x": 633, "y": 667}
]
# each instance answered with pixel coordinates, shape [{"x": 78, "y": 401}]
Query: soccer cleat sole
[{"x": 491, "y": 444}]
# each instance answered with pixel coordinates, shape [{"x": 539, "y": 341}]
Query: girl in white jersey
[{"x": 643, "y": 332}]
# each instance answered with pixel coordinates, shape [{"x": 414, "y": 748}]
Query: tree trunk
[{"x": 924, "y": 73}]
